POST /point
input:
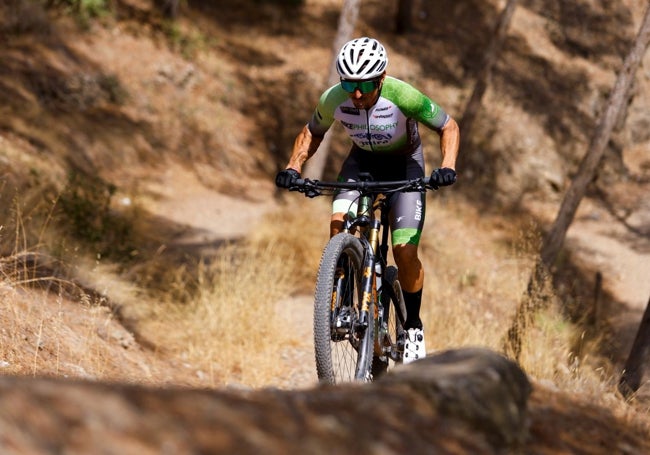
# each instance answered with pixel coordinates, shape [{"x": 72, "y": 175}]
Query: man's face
[{"x": 363, "y": 93}]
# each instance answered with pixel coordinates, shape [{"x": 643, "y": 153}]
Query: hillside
[{"x": 144, "y": 239}]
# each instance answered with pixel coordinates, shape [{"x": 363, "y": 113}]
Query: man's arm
[
  {"x": 304, "y": 147},
  {"x": 449, "y": 142}
]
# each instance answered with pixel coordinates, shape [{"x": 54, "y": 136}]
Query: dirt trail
[
  {"x": 620, "y": 251},
  {"x": 210, "y": 216},
  {"x": 619, "y": 248},
  {"x": 299, "y": 359}
]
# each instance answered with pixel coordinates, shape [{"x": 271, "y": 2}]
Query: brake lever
[
  {"x": 428, "y": 185},
  {"x": 306, "y": 187}
]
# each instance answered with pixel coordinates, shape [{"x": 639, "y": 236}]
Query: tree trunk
[
  {"x": 404, "y": 15},
  {"x": 315, "y": 167},
  {"x": 485, "y": 73},
  {"x": 639, "y": 358},
  {"x": 169, "y": 8},
  {"x": 617, "y": 101},
  {"x": 537, "y": 295}
]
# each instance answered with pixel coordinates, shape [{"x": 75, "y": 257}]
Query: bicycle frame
[
  {"x": 368, "y": 226},
  {"x": 375, "y": 263}
]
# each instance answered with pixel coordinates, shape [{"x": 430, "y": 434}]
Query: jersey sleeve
[
  {"x": 323, "y": 116},
  {"x": 415, "y": 104}
]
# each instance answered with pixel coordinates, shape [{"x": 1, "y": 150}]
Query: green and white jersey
[{"x": 388, "y": 126}]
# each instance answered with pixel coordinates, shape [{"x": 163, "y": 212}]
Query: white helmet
[{"x": 361, "y": 58}]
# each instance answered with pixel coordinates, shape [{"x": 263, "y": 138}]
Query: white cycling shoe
[{"x": 414, "y": 347}]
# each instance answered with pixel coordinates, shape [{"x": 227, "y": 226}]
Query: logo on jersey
[
  {"x": 384, "y": 127},
  {"x": 350, "y": 110},
  {"x": 381, "y": 138},
  {"x": 432, "y": 113},
  {"x": 354, "y": 126}
]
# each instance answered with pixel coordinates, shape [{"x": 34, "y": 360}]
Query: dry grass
[
  {"x": 233, "y": 329},
  {"x": 475, "y": 279},
  {"x": 47, "y": 333},
  {"x": 55, "y": 312}
]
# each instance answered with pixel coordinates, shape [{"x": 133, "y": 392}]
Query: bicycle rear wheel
[
  {"x": 343, "y": 345},
  {"x": 393, "y": 318}
]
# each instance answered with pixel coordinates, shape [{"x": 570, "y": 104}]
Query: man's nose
[{"x": 357, "y": 93}]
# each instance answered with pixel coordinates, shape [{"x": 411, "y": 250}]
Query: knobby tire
[{"x": 341, "y": 357}]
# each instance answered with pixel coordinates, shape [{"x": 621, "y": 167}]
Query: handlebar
[{"x": 313, "y": 188}]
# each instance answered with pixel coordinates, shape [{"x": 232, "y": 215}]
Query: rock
[
  {"x": 475, "y": 385},
  {"x": 462, "y": 402}
]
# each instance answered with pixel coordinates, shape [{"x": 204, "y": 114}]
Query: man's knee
[
  {"x": 410, "y": 271},
  {"x": 336, "y": 224},
  {"x": 405, "y": 254}
]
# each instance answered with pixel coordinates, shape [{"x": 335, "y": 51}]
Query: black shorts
[{"x": 406, "y": 213}]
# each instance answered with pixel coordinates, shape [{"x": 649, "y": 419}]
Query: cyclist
[{"x": 381, "y": 115}]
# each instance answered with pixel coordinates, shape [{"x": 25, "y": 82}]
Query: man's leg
[
  {"x": 336, "y": 223},
  {"x": 343, "y": 204},
  {"x": 411, "y": 278}
]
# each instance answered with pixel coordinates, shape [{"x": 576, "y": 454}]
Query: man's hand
[
  {"x": 443, "y": 176},
  {"x": 286, "y": 178}
]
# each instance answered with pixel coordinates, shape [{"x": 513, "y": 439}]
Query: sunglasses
[{"x": 363, "y": 86}]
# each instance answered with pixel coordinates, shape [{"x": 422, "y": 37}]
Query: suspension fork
[{"x": 369, "y": 278}]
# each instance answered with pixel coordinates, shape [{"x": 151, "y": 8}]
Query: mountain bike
[{"x": 359, "y": 310}]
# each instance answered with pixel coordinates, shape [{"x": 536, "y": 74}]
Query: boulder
[{"x": 465, "y": 401}]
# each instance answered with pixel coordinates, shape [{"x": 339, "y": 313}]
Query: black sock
[{"x": 412, "y": 301}]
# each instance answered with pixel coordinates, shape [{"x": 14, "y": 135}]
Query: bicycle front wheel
[
  {"x": 343, "y": 345},
  {"x": 393, "y": 316}
]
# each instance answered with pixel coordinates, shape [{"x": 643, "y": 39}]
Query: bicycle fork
[{"x": 371, "y": 282}]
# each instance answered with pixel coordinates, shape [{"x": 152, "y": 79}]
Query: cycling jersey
[
  {"x": 386, "y": 143},
  {"x": 388, "y": 126}
]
